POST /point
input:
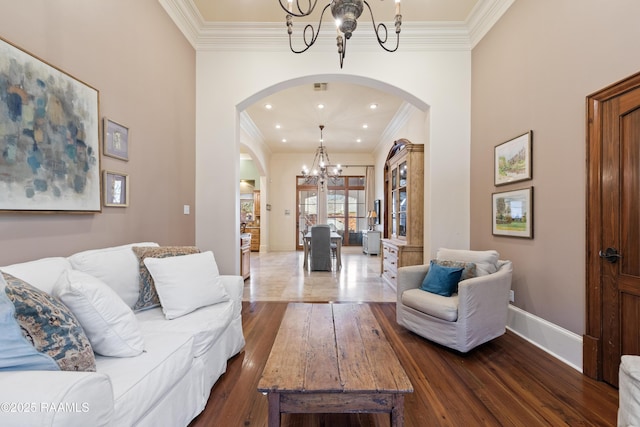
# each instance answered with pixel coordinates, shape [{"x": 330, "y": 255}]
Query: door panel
[{"x": 613, "y": 224}]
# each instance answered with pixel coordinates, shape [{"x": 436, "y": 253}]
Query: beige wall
[
  {"x": 143, "y": 67},
  {"x": 533, "y": 70}
]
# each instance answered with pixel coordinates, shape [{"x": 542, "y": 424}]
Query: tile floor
[{"x": 279, "y": 276}]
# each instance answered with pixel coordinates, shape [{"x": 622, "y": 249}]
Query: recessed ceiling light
[
  {"x": 268, "y": 106},
  {"x": 359, "y": 140},
  {"x": 277, "y": 126},
  {"x": 365, "y": 126},
  {"x": 320, "y": 106},
  {"x": 284, "y": 140},
  {"x": 373, "y": 106}
]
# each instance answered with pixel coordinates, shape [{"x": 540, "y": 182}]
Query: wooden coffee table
[{"x": 333, "y": 358}]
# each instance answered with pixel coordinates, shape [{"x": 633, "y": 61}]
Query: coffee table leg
[
  {"x": 274, "y": 409},
  {"x": 397, "y": 412}
]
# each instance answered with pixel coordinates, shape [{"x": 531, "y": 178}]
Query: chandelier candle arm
[{"x": 346, "y": 14}]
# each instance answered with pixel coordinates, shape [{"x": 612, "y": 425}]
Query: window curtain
[{"x": 369, "y": 188}]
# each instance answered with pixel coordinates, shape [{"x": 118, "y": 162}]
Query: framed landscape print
[
  {"x": 512, "y": 213},
  {"x": 49, "y": 137},
  {"x": 116, "y": 140},
  {"x": 512, "y": 160},
  {"x": 116, "y": 189}
]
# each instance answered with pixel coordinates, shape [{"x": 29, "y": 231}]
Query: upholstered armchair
[
  {"x": 474, "y": 313},
  {"x": 629, "y": 391}
]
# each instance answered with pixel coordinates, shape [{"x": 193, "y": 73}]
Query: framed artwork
[
  {"x": 512, "y": 213},
  {"x": 116, "y": 140},
  {"x": 49, "y": 137},
  {"x": 116, "y": 189},
  {"x": 512, "y": 160}
]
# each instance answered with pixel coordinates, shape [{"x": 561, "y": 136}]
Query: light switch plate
[{"x": 187, "y": 209}]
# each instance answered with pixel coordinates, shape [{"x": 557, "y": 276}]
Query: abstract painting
[{"x": 49, "y": 137}]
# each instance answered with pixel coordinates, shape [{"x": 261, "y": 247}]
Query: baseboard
[{"x": 559, "y": 342}]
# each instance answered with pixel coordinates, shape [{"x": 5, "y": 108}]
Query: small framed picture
[
  {"x": 512, "y": 160},
  {"x": 116, "y": 140},
  {"x": 116, "y": 189},
  {"x": 513, "y": 213}
]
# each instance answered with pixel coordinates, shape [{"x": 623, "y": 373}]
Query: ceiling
[{"x": 346, "y": 106}]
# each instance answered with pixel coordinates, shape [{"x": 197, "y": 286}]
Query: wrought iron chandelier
[
  {"x": 321, "y": 169},
  {"x": 346, "y": 14}
]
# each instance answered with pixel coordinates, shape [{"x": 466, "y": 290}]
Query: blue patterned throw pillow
[{"x": 49, "y": 326}]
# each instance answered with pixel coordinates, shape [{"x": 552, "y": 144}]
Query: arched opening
[{"x": 249, "y": 140}]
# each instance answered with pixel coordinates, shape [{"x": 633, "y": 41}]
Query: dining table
[{"x": 335, "y": 238}]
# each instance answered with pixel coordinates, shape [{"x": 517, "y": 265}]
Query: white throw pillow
[
  {"x": 109, "y": 323},
  {"x": 187, "y": 282},
  {"x": 116, "y": 266}
]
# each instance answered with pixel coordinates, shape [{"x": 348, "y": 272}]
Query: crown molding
[
  {"x": 272, "y": 36},
  {"x": 484, "y": 16},
  {"x": 186, "y": 16},
  {"x": 251, "y": 36},
  {"x": 248, "y": 126},
  {"x": 397, "y": 122}
]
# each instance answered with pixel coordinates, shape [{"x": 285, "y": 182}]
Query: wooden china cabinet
[{"x": 402, "y": 244}]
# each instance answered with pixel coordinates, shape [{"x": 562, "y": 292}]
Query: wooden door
[{"x": 613, "y": 229}]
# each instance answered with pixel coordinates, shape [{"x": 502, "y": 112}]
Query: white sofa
[{"x": 167, "y": 385}]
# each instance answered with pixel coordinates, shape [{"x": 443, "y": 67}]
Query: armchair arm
[
  {"x": 410, "y": 277},
  {"x": 484, "y": 302},
  {"x": 55, "y": 399}
]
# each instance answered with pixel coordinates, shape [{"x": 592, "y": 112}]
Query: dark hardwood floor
[{"x": 506, "y": 382}]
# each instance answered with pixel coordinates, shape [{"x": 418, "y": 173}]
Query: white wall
[{"x": 226, "y": 80}]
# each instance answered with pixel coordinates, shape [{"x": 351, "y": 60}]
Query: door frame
[{"x": 594, "y": 323}]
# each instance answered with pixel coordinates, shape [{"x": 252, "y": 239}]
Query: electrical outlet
[{"x": 512, "y": 296}]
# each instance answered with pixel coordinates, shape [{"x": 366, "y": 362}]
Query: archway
[{"x": 410, "y": 103}]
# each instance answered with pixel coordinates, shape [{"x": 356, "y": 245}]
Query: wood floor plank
[{"x": 506, "y": 382}]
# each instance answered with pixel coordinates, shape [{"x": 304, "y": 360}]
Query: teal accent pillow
[
  {"x": 441, "y": 280},
  {"x": 49, "y": 326}
]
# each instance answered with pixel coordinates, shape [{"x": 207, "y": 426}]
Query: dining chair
[{"x": 320, "y": 248}]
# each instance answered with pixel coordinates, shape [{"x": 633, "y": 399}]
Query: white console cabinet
[{"x": 371, "y": 242}]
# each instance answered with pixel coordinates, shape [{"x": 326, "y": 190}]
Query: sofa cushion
[
  {"x": 148, "y": 296},
  {"x": 441, "y": 280},
  {"x": 485, "y": 261},
  {"x": 116, "y": 266},
  {"x": 445, "y": 308},
  {"x": 109, "y": 323},
  {"x": 185, "y": 283},
  {"x": 17, "y": 353},
  {"x": 41, "y": 273},
  {"x": 205, "y": 325},
  {"x": 140, "y": 382},
  {"x": 50, "y": 326}
]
